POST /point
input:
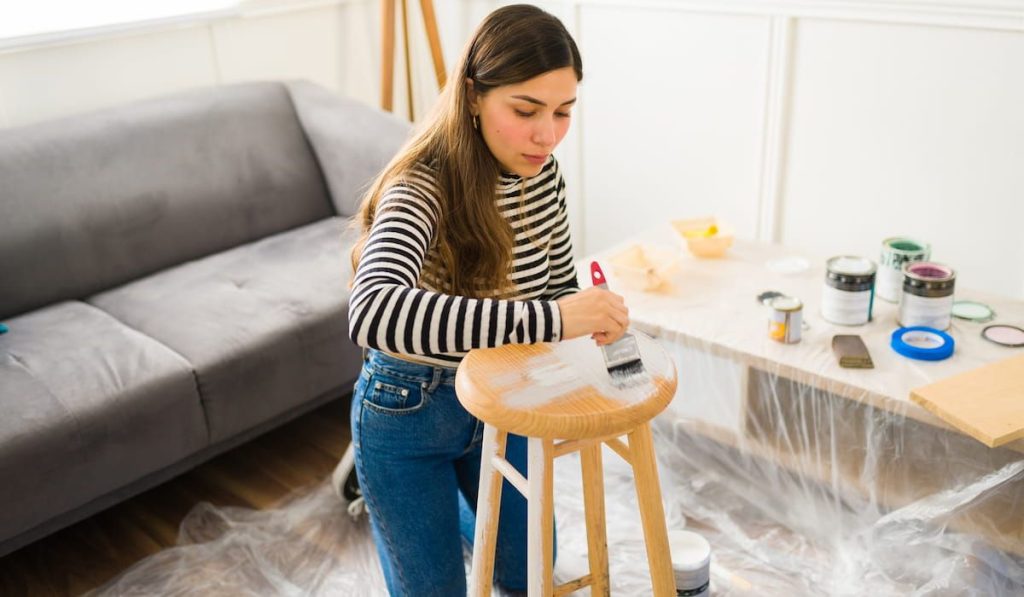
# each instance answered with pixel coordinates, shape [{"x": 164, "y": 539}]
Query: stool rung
[
  {"x": 571, "y": 445},
  {"x": 509, "y": 472},
  {"x": 620, "y": 448},
  {"x": 573, "y": 585}
]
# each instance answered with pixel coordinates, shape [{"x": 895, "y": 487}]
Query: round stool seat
[{"x": 563, "y": 390}]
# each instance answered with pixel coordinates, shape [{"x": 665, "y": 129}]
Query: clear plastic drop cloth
[{"x": 800, "y": 490}]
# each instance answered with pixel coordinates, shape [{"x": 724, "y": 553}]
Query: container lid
[
  {"x": 973, "y": 311},
  {"x": 851, "y": 266},
  {"x": 785, "y": 303},
  {"x": 928, "y": 271},
  {"x": 904, "y": 245},
  {"x": 690, "y": 552},
  {"x": 1003, "y": 334},
  {"x": 847, "y": 269}
]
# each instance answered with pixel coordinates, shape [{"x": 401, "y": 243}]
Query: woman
[{"x": 465, "y": 245}]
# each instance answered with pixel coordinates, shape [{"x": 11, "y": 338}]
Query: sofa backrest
[{"x": 92, "y": 201}]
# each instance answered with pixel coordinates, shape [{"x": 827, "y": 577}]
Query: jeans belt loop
[{"x": 436, "y": 379}]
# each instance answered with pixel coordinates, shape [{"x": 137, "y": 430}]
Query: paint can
[
  {"x": 927, "y": 298},
  {"x": 897, "y": 251},
  {"x": 691, "y": 563},
  {"x": 787, "y": 319},
  {"x": 848, "y": 295}
]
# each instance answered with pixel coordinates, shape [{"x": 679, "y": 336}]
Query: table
[{"x": 855, "y": 431}]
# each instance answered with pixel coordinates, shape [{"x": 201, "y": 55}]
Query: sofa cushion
[
  {"x": 352, "y": 141},
  {"x": 87, "y": 405},
  {"x": 92, "y": 201},
  {"x": 265, "y": 325}
]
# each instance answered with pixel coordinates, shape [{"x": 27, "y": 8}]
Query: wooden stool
[{"x": 562, "y": 391}]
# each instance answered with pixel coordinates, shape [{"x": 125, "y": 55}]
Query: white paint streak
[{"x": 576, "y": 364}]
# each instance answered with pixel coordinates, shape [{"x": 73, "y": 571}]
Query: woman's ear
[{"x": 471, "y": 97}]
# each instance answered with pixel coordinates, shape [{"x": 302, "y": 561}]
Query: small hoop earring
[{"x": 476, "y": 122}]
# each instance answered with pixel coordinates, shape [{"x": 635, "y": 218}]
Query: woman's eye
[
  {"x": 562, "y": 114},
  {"x": 524, "y": 114}
]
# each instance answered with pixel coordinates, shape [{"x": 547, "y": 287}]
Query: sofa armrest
[{"x": 351, "y": 140}]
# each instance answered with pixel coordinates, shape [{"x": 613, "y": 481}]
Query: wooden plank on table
[{"x": 986, "y": 403}]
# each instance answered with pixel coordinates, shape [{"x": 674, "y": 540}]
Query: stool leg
[
  {"x": 485, "y": 536},
  {"x": 597, "y": 533},
  {"x": 652, "y": 514},
  {"x": 540, "y": 517}
]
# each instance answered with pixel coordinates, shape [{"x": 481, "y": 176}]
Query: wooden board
[{"x": 986, "y": 403}]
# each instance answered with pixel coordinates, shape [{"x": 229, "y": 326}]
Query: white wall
[{"x": 829, "y": 125}]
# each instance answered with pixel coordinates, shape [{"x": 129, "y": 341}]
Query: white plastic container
[{"x": 691, "y": 562}]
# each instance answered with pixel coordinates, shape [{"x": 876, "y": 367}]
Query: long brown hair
[{"x": 474, "y": 242}]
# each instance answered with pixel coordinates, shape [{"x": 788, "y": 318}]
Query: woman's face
[{"x": 523, "y": 123}]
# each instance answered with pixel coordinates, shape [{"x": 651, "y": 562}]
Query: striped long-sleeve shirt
[{"x": 396, "y": 307}]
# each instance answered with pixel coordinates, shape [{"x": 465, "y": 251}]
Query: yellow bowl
[
  {"x": 709, "y": 246},
  {"x": 644, "y": 267},
  {"x": 704, "y": 236},
  {"x": 696, "y": 227}
]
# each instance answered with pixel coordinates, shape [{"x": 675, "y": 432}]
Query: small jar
[
  {"x": 691, "y": 563},
  {"x": 787, "y": 319}
]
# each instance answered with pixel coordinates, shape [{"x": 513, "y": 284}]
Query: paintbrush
[{"x": 622, "y": 357}]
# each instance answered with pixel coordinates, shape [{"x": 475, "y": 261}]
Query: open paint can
[
  {"x": 691, "y": 563},
  {"x": 849, "y": 292},
  {"x": 927, "y": 298},
  {"x": 897, "y": 251}
]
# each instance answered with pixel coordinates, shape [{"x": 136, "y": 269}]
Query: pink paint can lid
[{"x": 1006, "y": 335}]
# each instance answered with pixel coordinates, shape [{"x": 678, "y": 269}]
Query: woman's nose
[{"x": 544, "y": 132}]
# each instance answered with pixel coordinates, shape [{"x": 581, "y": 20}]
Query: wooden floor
[{"x": 256, "y": 475}]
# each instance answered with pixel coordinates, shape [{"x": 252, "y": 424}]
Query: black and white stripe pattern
[{"x": 395, "y": 308}]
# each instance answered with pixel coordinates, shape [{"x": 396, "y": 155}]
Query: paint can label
[
  {"x": 845, "y": 307},
  {"x": 895, "y": 253},
  {"x": 933, "y": 312},
  {"x": 786, "y": 320}
]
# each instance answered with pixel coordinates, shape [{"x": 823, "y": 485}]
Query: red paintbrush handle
[{"x": 597, "y": 276}]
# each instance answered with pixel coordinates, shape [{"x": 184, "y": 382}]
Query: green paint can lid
[{"x": 973, "y": 311}]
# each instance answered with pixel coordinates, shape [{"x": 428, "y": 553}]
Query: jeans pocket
[{"x": 393, "y": 395}]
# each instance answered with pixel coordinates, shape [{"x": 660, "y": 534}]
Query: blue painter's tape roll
[{"x": 923, "y": 343}]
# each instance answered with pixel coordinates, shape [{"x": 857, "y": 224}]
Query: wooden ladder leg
[
  {"x": 408, "y": 60},
  {"x": 652, "y": 513},
  {"x": 540, "y": 517},
  {"x": 485, "y": 536},
  {"x": 597, "y": 533},
  {"x": 430, "y": 21},
  {"x": 387, "y": 55}
]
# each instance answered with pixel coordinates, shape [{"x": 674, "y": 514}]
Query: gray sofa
[{"x": 174, "y": 277}]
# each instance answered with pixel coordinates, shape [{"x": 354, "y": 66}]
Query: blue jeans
[{"x": 418, "y": 461}]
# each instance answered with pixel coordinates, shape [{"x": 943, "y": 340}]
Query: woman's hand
[{"x": 595, "y": 311}]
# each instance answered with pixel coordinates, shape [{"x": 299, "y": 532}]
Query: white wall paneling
[
  {"x": 907, "y": 130},
  {"x": 827, "y": 125},
  {"x": 671, "y": 119},
  {"x": 307, "y": 44},
  {"x": 63, "y": 79}
]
